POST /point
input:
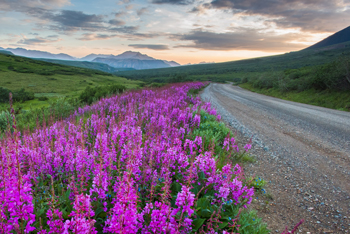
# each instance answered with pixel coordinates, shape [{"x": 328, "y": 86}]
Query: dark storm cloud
[
  {"x": 175, "y": 2},
  {"x": 149, "y": 46},
  {"x": 240, "y": 40},
  {"x": 310, "y": 15}
]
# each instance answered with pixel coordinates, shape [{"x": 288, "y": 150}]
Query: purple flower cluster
[{"x": 121, "y": 155}]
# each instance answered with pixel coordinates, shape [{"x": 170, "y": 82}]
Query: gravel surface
[{"x": 302, "y": 151}]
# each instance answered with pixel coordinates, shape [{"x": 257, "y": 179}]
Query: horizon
[{"x": 184, "y": 31}]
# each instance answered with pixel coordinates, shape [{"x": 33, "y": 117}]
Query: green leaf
[
  {"x": 201, "y": 175},
  {"x": 223, "y": 225},
  {"x": 206, "y": 213},
  {"x": 197, "y": 223}
]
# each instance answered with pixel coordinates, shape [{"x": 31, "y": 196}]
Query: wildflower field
[{"x": 146, "y": 161}]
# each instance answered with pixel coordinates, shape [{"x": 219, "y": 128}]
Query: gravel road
[{"x": 302, "y": 151}]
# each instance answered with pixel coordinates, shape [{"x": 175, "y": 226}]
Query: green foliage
[
  {"x": 257, "y": 183},
  {"x": 43, "y": 98},
  {"x": 156, "y": 85},
  {"x": 58, "y": 109},
  {"x": 193, "y": 92},
  {"x": 18, "y": 96},
  {"x": 91, "y": 94},
  {"x": 4, "y": 95},
  {"x": 5, "y": 120},
  {"x": 224, "y": 216},
  {"x": 335, "y": 99},
  {"x": 22, "y": 95}
]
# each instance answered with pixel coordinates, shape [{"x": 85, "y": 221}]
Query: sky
[{"x": 186, "y": 31}]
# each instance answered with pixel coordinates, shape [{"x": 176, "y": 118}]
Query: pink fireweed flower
[
  {"x": 124, "y": 214},
  {"x": 184, "y": 202},
  {"x": 55, "y": 221},
  {"x": 162, "y": 220},
  {"x": 81, "y": 222},
  {"x": 247, "y": 147}
]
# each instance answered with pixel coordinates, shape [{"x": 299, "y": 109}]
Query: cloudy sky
[{"x": 187, "y": 31}]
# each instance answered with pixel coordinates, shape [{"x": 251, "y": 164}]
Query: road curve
[{"x": 302, "y": 150}]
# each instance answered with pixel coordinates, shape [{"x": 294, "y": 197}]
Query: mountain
[
  {"x": 128, "y": 60},
  {"x": 133, "y": 55},
  {"x": 91, "y": 57},
  {"x": 337, "y": 38},
  {"x": 85, "y": 64},
  {"x": 132, "y": 63},
  {"x": 135, "y": 60},
  {"x": 39, "y": 54},
  {"x": 172, "y": 63}
]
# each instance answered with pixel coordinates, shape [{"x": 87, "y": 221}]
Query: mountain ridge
[
  {"x": 336, "y": 38},
  {"x": 142, "y": 61}
]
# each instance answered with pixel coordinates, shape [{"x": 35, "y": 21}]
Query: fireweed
[{"x": 126, "y": 164}]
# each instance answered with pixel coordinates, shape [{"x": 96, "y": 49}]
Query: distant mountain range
[
  {"x": 128, "y": 60},
  {"x": 39, "y": 54},
  {"x": 134, "y": 60}
]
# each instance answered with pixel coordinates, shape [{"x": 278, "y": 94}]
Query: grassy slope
[
  {"x": 89, "y": 65},
  {"x": 51, "y": 80},
  {"x": 339, "y": 100},
  {"x": 248, "y": 67},
  {"x": 271, "y": 69}
]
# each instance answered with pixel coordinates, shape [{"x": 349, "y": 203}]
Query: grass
[
  {"x": 235, "y": 70},
  {"x": 339, "y": 100},
  {"x": 52, "y": 80}
]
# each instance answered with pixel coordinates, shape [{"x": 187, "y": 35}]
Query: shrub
[
  {"x": 22, "y": 95},
  {"x": 4, "y": 95},
  {"x": 5, "y": 120},
  {"x": 43, "y": 99},
  {"x": 91, "y": 94}
]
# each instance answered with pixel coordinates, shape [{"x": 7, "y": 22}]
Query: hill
[
  {"x": 52, "y": 80},
  {"x": 39, "y": 54},
  {"x": 89, "y": 65},
  {"x": 337, "y": 38},
  {"x": 5, "y": 52},
  {"x": 232, "y": 70}
]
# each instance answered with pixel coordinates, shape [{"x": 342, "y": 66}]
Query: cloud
[
  {"x": 121, "y": 2},
  {"x": 142, "y": 11},
  {"x": 119, "y": 14},
  {"x": 174, "y": 2},
  {"x": 150, "y": 46},
  {"x": 74, "y": 20},
  {"x": 95, "y": 37},
  {"x": 129, "y": 7},
  {"x": 23, "y": 5},
  {"x": 310, "y": 15},
  {"x": 39, "y": 40},
  {"x": 125, "y": 29},
  {"x": 116, "y": 22},
  {"x": 244, "y": 39}
]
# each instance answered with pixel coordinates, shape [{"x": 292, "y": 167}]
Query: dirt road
[{"x": 302, "y": 151}]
